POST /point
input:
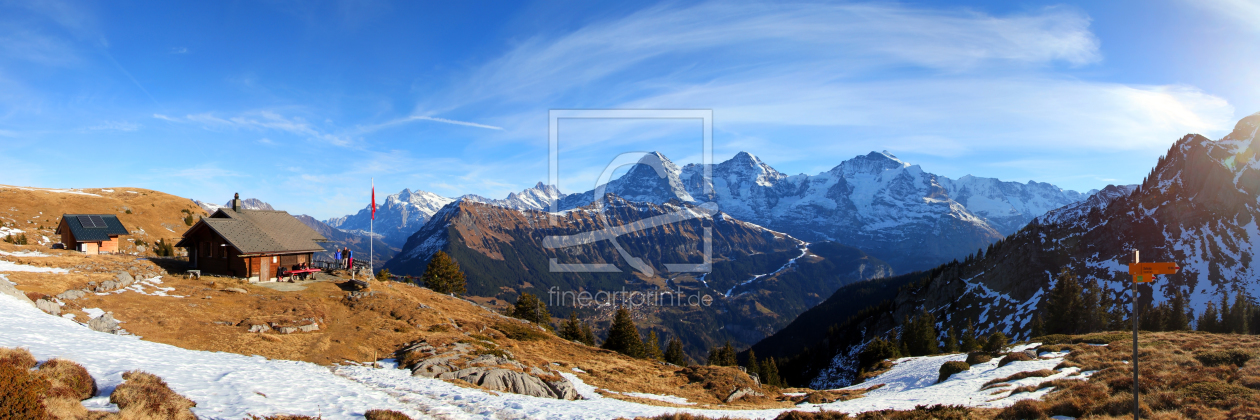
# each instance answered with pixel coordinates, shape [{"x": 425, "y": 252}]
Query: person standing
[
  {"x": 337, "y": 257},
  {"x": 349, "y": 260}
]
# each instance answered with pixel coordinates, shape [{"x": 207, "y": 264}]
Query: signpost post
[{"x": 1143, "y": 273}]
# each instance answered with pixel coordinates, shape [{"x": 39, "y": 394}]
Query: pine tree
[
  {"x": 528, "y": 307},
  {"x": 572, "y": 329},
  {"x": 674, "y": 352},
  {"x": 722, "y": 356},
  {"x": 1207, "y": 321},
  {"x": 1065, "y": 305},
  {"x": 1223, "y": 326},
  {"x": 1093, "y": 316},
  {"x": 951, "y": 341},
  {"x": 770, "y": 368},
  {"x": 623, "y": 337},
  {"x": 1177, "y": 318},
  {"x": 1038, "y": 329},
  {"x": 588, "y": 335},
  {"x": 444, "y": 276},
  {"x": 1116, "y": 317},
  {"x": 652, "y": 348},
  {"x": 753, "y": 367},
  {"x": 969, "y": 343},
  {"x": 1238, "y": 314}
]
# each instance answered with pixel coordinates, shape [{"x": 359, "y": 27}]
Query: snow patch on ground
[
  {"x": 912, "y": 382},
  {"x": 12, "y": 266},
  {"x": 25, "y": 254}
]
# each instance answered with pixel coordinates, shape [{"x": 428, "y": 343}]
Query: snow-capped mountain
[
  {"x": 896, "y": 211},
  {"x": 397, "y": 217},
  {"x": 1197, "y": 208},
  {"x": 654, "y": 179},
  {"x": 537, "y": 198},
  {"x": 248, "y": 204}
]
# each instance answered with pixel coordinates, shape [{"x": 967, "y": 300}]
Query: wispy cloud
[
  {"x": 1244, "y": 12},
  {"x": 408, "y": 119},
  {"x": 179, "y": 50},
  {"x": 262, "y": 121}
]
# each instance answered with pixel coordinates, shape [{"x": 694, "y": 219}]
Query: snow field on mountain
[
  {"x": 912, "y": 382},
  {"x": 12, "y": 266}
]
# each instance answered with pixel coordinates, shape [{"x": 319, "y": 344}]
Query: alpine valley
[
  {"x": 1197, "y": 208},
  {"x": 780, "y": 244}
]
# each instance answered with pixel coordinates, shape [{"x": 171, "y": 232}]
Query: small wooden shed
[
  {"x": 253, "y": 244},
  {"x": 91, "y": 233}
]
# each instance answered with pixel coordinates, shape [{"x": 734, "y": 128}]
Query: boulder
[
  {"x": 72, "y": 294},
  {"x": 309, "y": 327},
  {"x": 742, "y": 393},
  {"x": 106, "y": 286},
  {"x": 104, "y": 323},
  {"x": 564, "y": 389},
  {"x": 52, "y": 308},
  {"x": 235, "y": 290},
  {"x": 123, "y": 279},
  {"x": 503, "y": 380},
  {"x": 7, "y": 288},
  {"x": 287, "y": 330},
  {"x": 257, "y": 328}
]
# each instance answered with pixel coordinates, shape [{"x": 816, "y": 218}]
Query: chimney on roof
[{"x": 236, "y": 202}]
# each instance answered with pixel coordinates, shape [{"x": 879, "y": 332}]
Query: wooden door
[{"x": 264, "y": 269}]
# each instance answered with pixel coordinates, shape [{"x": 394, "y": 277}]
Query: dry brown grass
[
  {"x": 20, "y": 358},
  {"x": 1172, "y": 384},
  {"x": 67, "y": 379},
  {"x": 378, "y": 414},
  {"x": 1032, "y": 374},
  {"x": 21, "y": 393},
  {"x": 146, "y": 396}
]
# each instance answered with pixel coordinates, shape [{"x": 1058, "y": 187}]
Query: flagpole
[{"x": 372, "y": 236}]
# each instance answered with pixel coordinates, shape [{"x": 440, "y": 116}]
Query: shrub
[
  {"x": 162, "y": 248},
  {"x": 788, "y": 415},
  {"x": 950, "y": 368},
  {"x": 68, "y": 379},
  {"x": 1017, "y": 356},
  {"x": 977, "y": 357},
  {"x": 383, "y": 275},
  {"x": 1036, "y": 373},
  {"x": 19, "y": 358},
  {"x": 378, "y": 414},
  {"x": 1052, "y": 339},
  {"x": 1215, "y": 391},
  {"x": 876, "y": 351},
  {"x": 1223, "y": 357},
  {"x": 1103, "y": 338},
  {"x": 21, "y": 393},
  {"x": 1024, "y": 409},
  {"x": 144, "y": 394},
  {"x": 520, "y": 332},
  {"x": 996, "y": 342}
]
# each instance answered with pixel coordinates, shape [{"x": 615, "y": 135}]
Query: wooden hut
[
  {"x": 254, "y": 244},
  {"x": 91, "y": 233}
]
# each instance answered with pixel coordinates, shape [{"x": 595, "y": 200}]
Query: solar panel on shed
[
  {"x": 86, "y": 222},
  {"x": 97, "y": 221}
]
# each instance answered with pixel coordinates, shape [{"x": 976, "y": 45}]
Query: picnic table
[{"x": 303, "y": 272}]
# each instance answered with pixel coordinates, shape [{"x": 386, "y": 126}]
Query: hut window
[{"x": 275, "y": 259}]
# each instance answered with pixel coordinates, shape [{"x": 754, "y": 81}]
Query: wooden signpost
[{"x": 1143, "y": 273}]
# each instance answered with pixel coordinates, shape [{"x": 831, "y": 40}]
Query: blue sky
[{"x": 302, "y": 103}]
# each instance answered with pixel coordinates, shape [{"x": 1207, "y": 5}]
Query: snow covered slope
[
  {"x": 231, "y": 386},
  {"x": 397, "y": 217}
]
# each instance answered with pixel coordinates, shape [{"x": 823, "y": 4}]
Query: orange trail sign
[{"x": 1145, "y": 272}]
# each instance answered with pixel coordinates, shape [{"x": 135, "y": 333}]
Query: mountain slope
[
  {"x": 397, "y": 217},
  {"x": 149, "y": 215},
  {"x": 1198, "y": 208},
  {"x": 338, "y": 239},
  {"x": 760, "y": 278}
]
